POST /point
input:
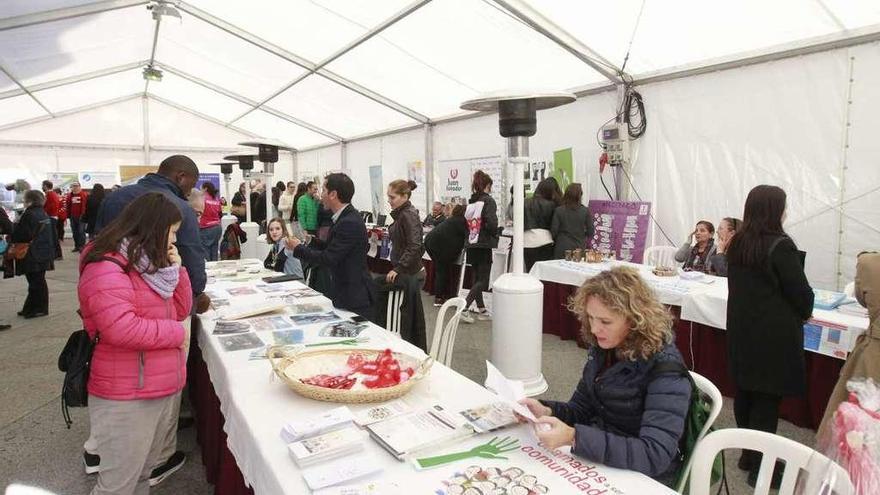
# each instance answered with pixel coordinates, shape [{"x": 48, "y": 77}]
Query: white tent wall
[
  {"x": 318, "y": 162},
  {"x": 392, "y": 153}
]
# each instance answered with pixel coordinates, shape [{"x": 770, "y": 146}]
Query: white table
[
  {"x": 255, "y": 406},
  {"x": 705, "y": 301}
]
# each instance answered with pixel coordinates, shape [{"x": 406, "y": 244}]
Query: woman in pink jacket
[{"x": 133, "y": 294}]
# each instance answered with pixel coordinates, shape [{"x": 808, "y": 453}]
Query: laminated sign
[{"x": 621, "y": 228}]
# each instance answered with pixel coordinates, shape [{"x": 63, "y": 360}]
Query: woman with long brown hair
[
  {"x": 482, "y": 220},
  {"x": 133, "y": 295},
  {"x": 769, "y": 301},
  {"x": 572, "y": 225}
]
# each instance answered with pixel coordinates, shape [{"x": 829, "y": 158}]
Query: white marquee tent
[{"x": 736, "y": 93}]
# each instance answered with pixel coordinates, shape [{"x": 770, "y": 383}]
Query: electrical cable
[
  {"x": 633, "y": 187},
  {"x": 602, "y": 180}
]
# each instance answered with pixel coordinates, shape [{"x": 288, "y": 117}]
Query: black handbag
[{"x": 75, "y": 360}]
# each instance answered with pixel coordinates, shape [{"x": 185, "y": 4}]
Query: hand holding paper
[{"x": 509, "y": 390}]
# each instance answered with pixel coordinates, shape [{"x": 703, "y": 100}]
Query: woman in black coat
[
  {"x": 35, "y": 227},
  {"x": 444, "y": 243},
  {"x": 769, "y": 301},
  {"x": 482, "y": 219},
  {"x": 93, "y": 205}
]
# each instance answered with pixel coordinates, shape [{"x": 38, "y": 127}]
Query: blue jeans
[
  {"x": 210, "y": 237},
  {"x": 79, "y": 232}
]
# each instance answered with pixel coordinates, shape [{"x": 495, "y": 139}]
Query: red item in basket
[{"x": 382, "y": 372}]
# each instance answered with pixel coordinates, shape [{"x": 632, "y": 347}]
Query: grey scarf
[{"x": 163, "y": 281}]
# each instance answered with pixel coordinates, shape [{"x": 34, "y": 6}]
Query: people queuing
[
  {"x": 444, "y": 244},
  {"x": 344, "y": 253},
  {"x": 280, "y": 257},
  {"x": 572, "y": 225},
  {"x": 209, "y": 223},
  {"x": 482, "y": 220},
  {"x": 134, "y": 294},
  {"x": 769, "y": 301},
  {"x": 77, "y": 202},
  {"x": 624, "y": 413}
]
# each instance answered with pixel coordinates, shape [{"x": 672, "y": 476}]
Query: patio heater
[
  {"x": 226, "y": 169},
  {"x": 251, "y": 229},
  {"x": 517, "y": 298},
  {"x": 268, "y": 154}
]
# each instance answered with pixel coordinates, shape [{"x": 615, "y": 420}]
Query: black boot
[{"x": 775, "y": 481}]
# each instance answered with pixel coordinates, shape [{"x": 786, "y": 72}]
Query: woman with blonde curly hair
[{"x": 624, "y": 413}]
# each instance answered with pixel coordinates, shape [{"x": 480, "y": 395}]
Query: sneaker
[
  {"x": 484, "y": 315},
  {"x": 91, "y": 462},
  {"x": 171, "y": 466},
  {"x": 467, "y": 318}
]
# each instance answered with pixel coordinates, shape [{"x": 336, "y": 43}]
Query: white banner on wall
[
  {"x": 456, "y": 175},
  {"x": 107, "y": 179}
]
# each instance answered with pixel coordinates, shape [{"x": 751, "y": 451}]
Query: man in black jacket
[{"x": 344, "y": 253}]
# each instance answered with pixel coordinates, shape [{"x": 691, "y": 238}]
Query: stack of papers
[
  {"x": 412, "y": 432},
  {"x": 854, "y": 309},
  {"x": 327, "y": 446},
  {"x": 340, "y": 471},
  {"x": 826, "y": 299},
  {"x": 331, "y": 420}
]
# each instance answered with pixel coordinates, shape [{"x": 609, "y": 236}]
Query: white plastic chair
[
  {"x": 850, "y": 289},
  {"x": 823, "y": 476},
  {"x": 661, "y": 256},
  {"x": 392, "y": 316},
  {"x": 443, "y": 340},
  {"x": 710, "y": 390}
]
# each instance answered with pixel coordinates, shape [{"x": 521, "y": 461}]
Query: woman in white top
[{"x": 285, "y": 202}]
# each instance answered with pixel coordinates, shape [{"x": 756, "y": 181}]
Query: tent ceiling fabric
[{"x": 254, "y": 71}]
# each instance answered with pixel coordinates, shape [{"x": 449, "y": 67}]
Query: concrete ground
[{"x": 36, "y": 449}]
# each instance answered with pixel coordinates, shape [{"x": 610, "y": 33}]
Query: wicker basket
[{"x": 291, "y": 367}]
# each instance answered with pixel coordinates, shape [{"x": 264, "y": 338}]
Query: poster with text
[
  {"x": 107, "y": 179},
  {"x": 493, "y": 166},
  {"x": 129, "y": 174},
  {"x": 455, "y": 180},
  {"x": 415, "y": 171},
  {"x": 377, "y": 191},
  {"x": 212, "y": 178},
  {"x": 621, "y": 228},
  {"x": 63, "y": 179}
]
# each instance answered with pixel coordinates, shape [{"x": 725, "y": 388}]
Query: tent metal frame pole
[
  {"x": 342, "y": 51},
  {"x": 26, "y": 91},
  {"x": 67, "y": 13},
  {"x": 200, "y": 115},
  {"x": 73, "y": 79},
  {"x": 569, "y": 43},
  {"x": 146, "y": 114},
  {"x": 429, "y": 167},
  {"x": 291, "y": 57},
  {"x": 247, "y": 101},
  {"x": 153, "y": 51},
  {"x": 343, "y": 156},
  {"x": 71, "y": 111}
]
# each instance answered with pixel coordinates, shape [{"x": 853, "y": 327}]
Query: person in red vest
[
  {"x": 76, "y": 208},
  {"x": 54, "y": 208}
]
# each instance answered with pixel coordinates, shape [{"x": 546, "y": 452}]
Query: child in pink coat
[{"x": 133, "y": 295}]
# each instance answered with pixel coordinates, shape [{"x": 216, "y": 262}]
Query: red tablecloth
[
  {"x": 221, "y": 469},
  {"x": 708, "y": 346}
]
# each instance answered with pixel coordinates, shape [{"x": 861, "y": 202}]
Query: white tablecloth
[
  {"x": 704, "y": 301},
  {"x": 255, "y": 406}
]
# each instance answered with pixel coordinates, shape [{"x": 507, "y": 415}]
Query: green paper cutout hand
[{"x": 490, "y": 450}]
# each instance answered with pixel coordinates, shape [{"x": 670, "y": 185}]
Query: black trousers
[
  {"x": 756, "y": 411},
  {"x": 480, "y": 260},
  {"x": 79, "y": 232},
  {"x": 38, "y": 293},
  {"x": 534, "y": 255},
  {"x": 442, "y": 269}
]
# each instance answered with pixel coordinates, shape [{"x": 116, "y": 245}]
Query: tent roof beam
[
  {"x": 66, "y": 13},
  {"x": 293, "y": 58}
]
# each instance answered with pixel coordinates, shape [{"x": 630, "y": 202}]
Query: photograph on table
[
  {"x": 240, "y": 342},
  {"x": 345, "y": 329},
  {"x": 242, "y": 291},
  {"x": 288, "y": 337},
  {"x": 272, "y": 288},
  {"x": 315, "y": 318},
  {"x": 490, "y": 417},
  {"x": 294, "y": 294},
  {"x": 231, "y": 327},
  {"x": 308, "y": 308},
  {"x": 270, "y": 323}
]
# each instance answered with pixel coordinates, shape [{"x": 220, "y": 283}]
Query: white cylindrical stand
[
  {"x": 518, "y": 298},
  {"x": 249, "y": 249},
  {"x": 517, "y": 316}
]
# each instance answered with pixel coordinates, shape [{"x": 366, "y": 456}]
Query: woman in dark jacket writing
[
  {"x": 482, "y": 221},
  {"x": 623, "y": 413},
  {"x": 768, "y": 303},
  {"x": 444, "y": 243},
  {"x": 35, "y": 228}
]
